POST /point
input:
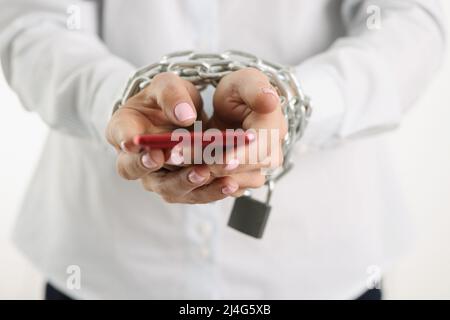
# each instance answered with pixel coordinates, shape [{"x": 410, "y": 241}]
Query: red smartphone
[{"x": 165, "y": 141}]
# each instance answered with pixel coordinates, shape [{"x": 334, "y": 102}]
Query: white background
[{"x": 422, "y": 147}]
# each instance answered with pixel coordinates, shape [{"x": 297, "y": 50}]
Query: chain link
[{"x": 203, "y": 69}]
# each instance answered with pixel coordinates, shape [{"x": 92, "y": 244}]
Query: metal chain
[{"x": 203, "y": 69}]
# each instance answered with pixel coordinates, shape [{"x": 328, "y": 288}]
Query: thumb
[{"x": 252, "y": 87}]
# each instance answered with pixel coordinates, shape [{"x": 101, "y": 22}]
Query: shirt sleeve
[
  {"x": 366, "y": 80},
  {"x": 67, "y": 76}
]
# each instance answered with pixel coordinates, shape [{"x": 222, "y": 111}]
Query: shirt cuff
[
  {"x": 110, "y": 90},
  {"x": 319, "y": 82}
]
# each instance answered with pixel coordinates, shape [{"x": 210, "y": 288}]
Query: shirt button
[
  {"x": 205, "y": 229},
  {"x": 204, "y": 252}
]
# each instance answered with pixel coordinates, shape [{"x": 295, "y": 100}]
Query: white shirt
[{"x": 336, "y": 214}]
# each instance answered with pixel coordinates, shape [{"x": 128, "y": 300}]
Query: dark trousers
[{"x": 51, "y": 293}]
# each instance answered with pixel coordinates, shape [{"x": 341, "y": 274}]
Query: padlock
[{"x": 249, "y": 215}]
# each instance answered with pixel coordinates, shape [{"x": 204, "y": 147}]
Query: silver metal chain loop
[{"x": 203, "y": 69}]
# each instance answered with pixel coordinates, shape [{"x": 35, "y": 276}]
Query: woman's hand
[
  {"x": 245, "y": 99},
  {"x": 169, "y": 102}
]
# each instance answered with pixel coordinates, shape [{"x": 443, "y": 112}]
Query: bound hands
[{"x": 243, "y": 99}]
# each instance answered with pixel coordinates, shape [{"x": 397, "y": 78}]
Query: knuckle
[
  {"x": 126, "y": 118},
  {"x": 147, "y": 185},
  {"x": 170, "y": 87},
  {"x": 169, "y": 198},
  {"x": 123, "y": 172},
  {"x": 171, "y": 92},
  {"x": 219, "y": 171},
  {"x": 164, "y": 77},
  {"x": 161, "y": 189},
  {"x": 227, "y": 180},
  {"x": 135, "y": 165},
  {"x": 254, "y": 181},
  {"x": 258, "y": 181}
]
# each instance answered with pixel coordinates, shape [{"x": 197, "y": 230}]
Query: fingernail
[
  {"x": 195, "y": 178},
  {"x": 184, "y": 112},
  {"x": 271, "y": 91},
  {"x": 176, "y": 156},
  {"x": 148, "y": 162},
  {"x": 250, "y": 136},
  {"x": 232, "y": 164},
  {"x": 230, "y": 189},
  {"x": 123, "y": 147}
]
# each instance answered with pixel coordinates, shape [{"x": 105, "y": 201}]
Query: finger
[
  {"x": 258, "y": 155},
  {"x": 233, "y": 166},
  {"x": 124, "y": 125},
  {"x": 224, "y": 170},
  {"x": 248, "y": 180},
  {"x": 176, "y": 156},
  {"x": 218, "y": 189},
  {"x": 173, "y": 186},
  {"x": 253, "y": 87},
  {"x": 132, "y": 166},
  {"x": 239, "y": 193},
  {"x": 257, "y": 92},
  {"x": 177, "y": 97},
  {"x": 272, "y": 123}
]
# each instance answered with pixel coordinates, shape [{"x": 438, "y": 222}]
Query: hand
[
  {"x": 167, "y": 103},
  {"x": 245, "y": 99}
]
